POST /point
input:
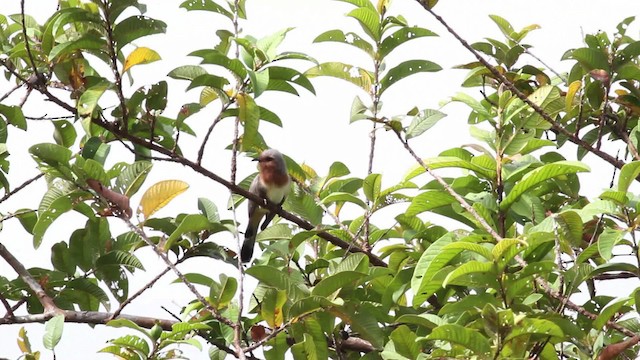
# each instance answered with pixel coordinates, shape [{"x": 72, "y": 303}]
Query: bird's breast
[{"x": 277, "y": 193}]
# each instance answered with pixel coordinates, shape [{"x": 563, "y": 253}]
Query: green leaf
[
  {"x": 51, "y": 154},
  {"x": 473, "y": 247},
  {"x": 61, "y": 258},
  {"x": 609, "y": 312},
  {"x": 209, "y": 80},
  {"x": 591, "y": 59},
  {"x": 190, "y": 223},
  {"x": 13, "y": 116},
  {"x": 88, "y": 286},
  {"x": 187, "y": 72},
  {"x": 350, "y": 38},
  {"x": 273, "y": 277},
  {"x": 209, "y": 209},
  {"x": 447, "y": 162},
  {"x": 463, "y": 336},
  {"x": 628, "y": 174},
  {"x": 504, "y": 25},
  {"x": 129, "y": 345},
  {"x": 423, "y": 122},
  {"x": 371, "y": 186},
  {"x": 369, "y": 20},
  {"x": 540, "y": 175},
  {"x": 249, "y": 115},
  {"x": 504, "y": 245},
  {"x": 340, "y": 197},
  {"x": 607, "y": 241},
  {"x": 206, "y": 5},
  {"x": 429, "y": 200},
  {"x": 404, "y": 342},
  {"x": 367, "y": 326},
  {"x": 131, "y": 178},
  {"x": 469, "y": 267},
  {"x": 269, "y": 44},
  {"x": 345, "y": 280},
  {"x": 88, "y": 101},
  {"x": 55, "y": 202},
  {"x": 535, "y": 326},
  {"x": 65, "y": 134},
  {"x": 88, "y": 41},
  {"x": 120, "y": 258},
  {"x": 431, "y": 261},
  {"x": 400, "y": 37},
  {"x": 28, "y": 219},
  {"x": 290, "y": 75},
  {"x": 222, "y": 294},
  {"x": 135, "y": 27},
  {"x": 355, "y": 75},
  {"x": 53, "y": 331},
  {"x": 361, "y": 3},
  {"x": 405, "y": 69}
]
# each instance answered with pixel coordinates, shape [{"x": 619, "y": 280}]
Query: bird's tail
[{"x": 246, "y": 253}]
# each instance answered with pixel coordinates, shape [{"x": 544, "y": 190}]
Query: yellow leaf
[
  {"x": 382, "y": 6},
  {"x": 23, "y": 341},
  {"x": 207, "y": 95},
  {"x": 571, "y": 93},
  {"x": 141, "y": 55},
  {"x": 159, "y": 195}
]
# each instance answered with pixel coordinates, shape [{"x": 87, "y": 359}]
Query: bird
[{"x": 271, "y": 183}]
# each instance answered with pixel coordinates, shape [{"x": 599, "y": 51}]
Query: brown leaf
[
  {"x": 119, "y": 201},
  {"x": 611, "y": 351},
  {"x": 258, "y": 332}
]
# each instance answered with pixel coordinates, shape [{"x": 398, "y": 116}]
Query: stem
[
  {"x": 508, "y": 84},
  {"x": 114, "y": 65}
]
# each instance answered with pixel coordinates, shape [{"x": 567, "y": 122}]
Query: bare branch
[
  {"x": 22, "y": 186},
  {"x": 5, "y": 303},
  {"x": 89, "y": 317},
  {"x": 139, "y": 292}
]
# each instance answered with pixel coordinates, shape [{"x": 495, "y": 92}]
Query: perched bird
[{"x": 272, "y": 183}]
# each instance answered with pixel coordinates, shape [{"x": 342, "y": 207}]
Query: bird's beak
[{"x": 256, "y": 159}]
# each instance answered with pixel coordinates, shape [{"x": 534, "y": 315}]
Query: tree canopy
[{"x": 489, "y": 250}]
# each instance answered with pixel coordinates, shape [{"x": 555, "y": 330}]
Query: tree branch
[
  {"x": 45, "y": 300},
  {"x": 554, "y": 125},
  {"x": 240, "y": 191},
  {"x": 89, "y": 317}
]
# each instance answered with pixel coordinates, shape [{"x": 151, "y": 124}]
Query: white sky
[{"x": 316, "y": 129}]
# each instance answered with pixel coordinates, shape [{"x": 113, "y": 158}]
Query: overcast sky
[{"x": 316, "y": 129}]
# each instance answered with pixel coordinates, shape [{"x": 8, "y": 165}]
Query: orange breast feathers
[{"x": 271, "y": 176}]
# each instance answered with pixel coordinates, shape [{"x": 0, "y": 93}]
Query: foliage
[{"x": 497, "y": 279}]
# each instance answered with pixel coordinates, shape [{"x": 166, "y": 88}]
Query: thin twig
[
  {"x": 541, "y": 282},
  {"x": 26, "y": 44},
  {"x": 554, "y": 124},
  {"x": 114, "y": 65},
  {"x": 8, "y": 93},
  {"x": 148, "y": 286},
  {"x": 22, "y": 186},
  {"x": 7, "y": 306},
  {"x": 33, "y": 284},
  {"x": 240, "y": 191},
  {"x": 138, "y": 231}
]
